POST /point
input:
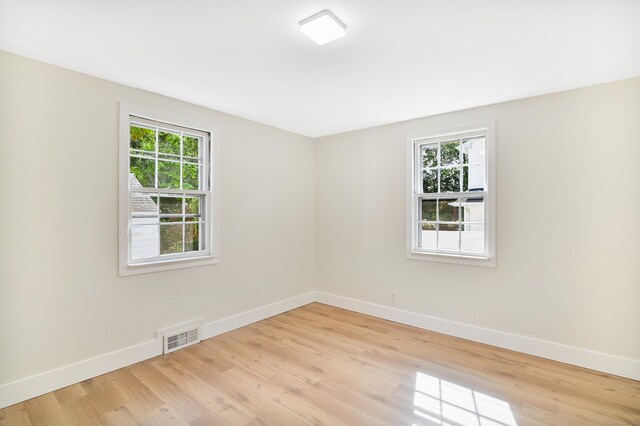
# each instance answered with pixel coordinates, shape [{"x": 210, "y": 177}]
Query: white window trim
[
  {"x": 490, "y": 198},
  {"x": 212, "y": 255}
]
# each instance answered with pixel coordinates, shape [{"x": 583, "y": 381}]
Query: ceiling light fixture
[{"x": 323, "y": 27}]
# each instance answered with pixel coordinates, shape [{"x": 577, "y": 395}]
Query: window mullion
[
  {"x": 417, "y": 167},
  {"x": 170, "y": 191},
  {"x": 439, "y": 154},
  {"x": 461, "y": 166},
  {"x": 474, "y": 194},
  {"x": 157, "y": 142},
  {"x": 418, "y": 210},
  {"x": 418, "y": 186},
  {"x": 184, "y": 218},
  {"x": 461, "y": 188},
  {"x": 459, "y": 224},
  {"x": 181, "y": 159}
]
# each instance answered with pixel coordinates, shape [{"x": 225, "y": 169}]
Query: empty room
[{"x": 304, "y": 212}]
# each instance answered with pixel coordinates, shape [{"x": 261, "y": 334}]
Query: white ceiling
[{"x": 400, "y": 59}]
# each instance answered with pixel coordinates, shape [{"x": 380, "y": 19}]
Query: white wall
[
  {"x": 568, "y": 222},
  {"x": 568, "y": 233},
  {"x": 61, "y": 299}
]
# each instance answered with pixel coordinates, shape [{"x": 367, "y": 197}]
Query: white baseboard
[
  {"x": 48, "y": 381},
  {"x": 38, "y": 384},
  {"x": 612, "y": 364},
  {"x": 30, "y": 387}
]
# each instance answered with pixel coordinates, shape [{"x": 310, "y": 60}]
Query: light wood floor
[{"x": 324, "y": 365}]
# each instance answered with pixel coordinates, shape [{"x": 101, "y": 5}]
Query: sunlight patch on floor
[{"x": 441, "y": 402}]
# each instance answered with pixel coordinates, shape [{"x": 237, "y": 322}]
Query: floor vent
[{"x": 179, "y": 337}]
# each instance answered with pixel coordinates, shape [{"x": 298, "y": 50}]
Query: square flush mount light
[{"x": 323, "y": 27}]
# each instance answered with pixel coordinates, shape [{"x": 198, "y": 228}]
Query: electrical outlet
[{"x": 393, "y": 297}]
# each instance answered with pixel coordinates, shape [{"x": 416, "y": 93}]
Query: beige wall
[
  {"x": 61, "y": 299},
  {"x": 568, "y": 221}
]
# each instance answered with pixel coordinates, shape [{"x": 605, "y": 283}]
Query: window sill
[
  {"x": 167, "y": 265},
  {"x": 452, "y": 258}
]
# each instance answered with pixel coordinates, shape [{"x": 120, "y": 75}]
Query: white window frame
[
  {"x": 210, "y": 255},
  {"x": 414, "y": 192}
]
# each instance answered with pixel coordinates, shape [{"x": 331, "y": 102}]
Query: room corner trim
[
  {"x": 230, "y": 323},
  {"x": 607, "y": 363}
]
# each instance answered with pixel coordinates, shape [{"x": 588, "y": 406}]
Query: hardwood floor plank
[
  {"x": 121, "y": 416},
  {"x": 216, "y": 402},
  {"x": 70, "y": 393},
  {"x": 247, "y": 397},
  {"x": 16, "y": 415},
  {"x": 84, "y": 411},
  {"x": 45, "y": 410},
  {"x": 238, "y": 359},
  {"x": 321, "y": 365},
  {"x": 177, "y": 403}
]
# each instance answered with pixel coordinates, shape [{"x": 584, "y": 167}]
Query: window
[
  {"x": 450, "y": 204},
  {"x": 167, "y": 201}
]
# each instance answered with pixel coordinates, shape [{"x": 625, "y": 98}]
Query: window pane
[
  {"x": 473, "y": 178},
  {"x": 428, "y": 212},
  {"x": 465, "y": 178},
  {"x": 142, "y": 138},
  {"x": 190, "y": 176},
  {"x": 473, "y": 150},
  {"x": 170, "y": 239},
  {"x": 192, "y": 237},
  {"x": 429, "y": 155},
  {"x": 168, "y": 174},
  {"x": 448, "y": 237},
  {"x": 448, "y": 210},
  {"x": 144, "y": 240},
  {"x": 472, "y": 210},
  {"x": 430, "y": 181},
  {"x": 144, "y": 172},
  {"x": 472, "y": 238},
  {"x": 144, "y": 205},
  {"x": 168, "y": 143},
  {"x": 192, "y": 205},
  {"x": 449, "y": 153},
  {"x": 170, "y": 205},
  {"x": 191, "y": 146},
  {"x": 450, "y": 180},
  {"x": 428, "y": 240}
]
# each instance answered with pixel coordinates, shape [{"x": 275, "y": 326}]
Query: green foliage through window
[
  {"x": 168, "y": 143},
  {"x": 169, "y": 157},
  {"x": 143, "y": 139},
  {"x": 442, "y": 168},
  {"x": 170, "y": 239}
]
